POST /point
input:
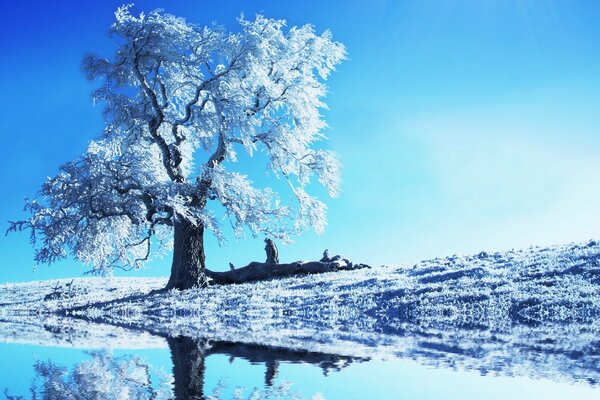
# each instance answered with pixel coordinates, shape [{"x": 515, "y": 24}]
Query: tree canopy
[{"x": 179, "y": 100}]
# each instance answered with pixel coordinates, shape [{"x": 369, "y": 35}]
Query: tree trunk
[
  {"x": 188, "y": 267},
  {"x": 189, "y": 270}
]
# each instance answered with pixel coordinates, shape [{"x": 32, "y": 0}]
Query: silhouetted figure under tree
[{"x": 272, "y": 253}]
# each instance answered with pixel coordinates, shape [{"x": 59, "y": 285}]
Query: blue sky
[{"x": 462, "y": 125}]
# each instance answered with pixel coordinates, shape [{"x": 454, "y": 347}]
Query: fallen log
[{"x": 257, "y": 271}]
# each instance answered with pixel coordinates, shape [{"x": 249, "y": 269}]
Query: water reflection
[
  {"x": 557, "y": 352},
  {"x": 107, "y": 376},
  {"x": 189, "y": 365},
  {"x": 104, "y": 376}
]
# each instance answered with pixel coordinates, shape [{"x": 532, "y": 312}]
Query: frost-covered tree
[
  {"x": 180, "y": 100},
  {"x": 104, "y": 377}
]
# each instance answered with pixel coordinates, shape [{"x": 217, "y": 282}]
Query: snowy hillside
[{"x": 529, "y": 312}]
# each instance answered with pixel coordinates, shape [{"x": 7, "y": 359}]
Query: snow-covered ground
[{"x": 529, "y": 312}]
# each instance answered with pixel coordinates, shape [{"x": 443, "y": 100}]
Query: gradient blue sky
[{"x": 462, "y": 125}]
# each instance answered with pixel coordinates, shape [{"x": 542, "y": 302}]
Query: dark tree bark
[
  {"x": 188, "y": 267},
  {"x": 256, "y": 271},
  {"x": 188, "y": 368}
]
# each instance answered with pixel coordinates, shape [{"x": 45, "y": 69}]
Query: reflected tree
[
  {"x": 105, "y": 376},
  {"x": 188, "y": 357},
  {"x": 189, "y": 363}
]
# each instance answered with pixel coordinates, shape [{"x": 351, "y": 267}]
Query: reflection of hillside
[
  {"x": 51, "y": 330},
  {"x": 471, "y": 340},
  {"x": 533, "y": 312},
  {"x": 552, "y": 351}
]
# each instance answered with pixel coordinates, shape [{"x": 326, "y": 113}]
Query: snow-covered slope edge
[{"x": 530, "y": 312}]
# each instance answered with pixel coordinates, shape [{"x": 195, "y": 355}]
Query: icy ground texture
[
  {"x": 532, "y": 312},
  {"x": 30, "y": 313}
]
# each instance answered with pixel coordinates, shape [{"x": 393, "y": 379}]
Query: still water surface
[{"x": 184, "y": 368}]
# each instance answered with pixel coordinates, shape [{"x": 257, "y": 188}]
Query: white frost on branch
[{"x": 180, "y": 101}]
